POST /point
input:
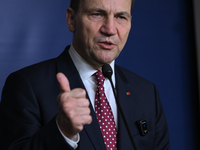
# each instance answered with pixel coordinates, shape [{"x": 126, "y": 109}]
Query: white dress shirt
[{"x": 86, "y": 71}]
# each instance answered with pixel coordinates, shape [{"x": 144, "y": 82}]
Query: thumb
[{"x": 63, "y": 81}]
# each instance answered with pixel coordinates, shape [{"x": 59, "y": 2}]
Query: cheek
[
  {"x": 124, "y": 36},
  {"x": 87, "y": 32},
  {"x": 91, "y": 35},
  {"x": 83, "y": 36},
  {"x": 92, "y": 28}
]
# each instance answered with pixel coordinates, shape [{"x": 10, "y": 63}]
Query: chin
[{"x": 106, "y": 61}]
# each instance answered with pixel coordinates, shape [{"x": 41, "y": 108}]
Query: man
[{"x": 32, "y": 118}]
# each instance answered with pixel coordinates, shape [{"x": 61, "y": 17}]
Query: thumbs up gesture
[{"x": 73, "y": 108}]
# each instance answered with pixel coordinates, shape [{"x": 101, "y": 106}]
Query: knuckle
[
  {"x": 78, "y": 92},
  {"x": 87, "y": 103},
  {"x": 84, "y": 103},
  {"x": 88, "y": 110},
  {"x": 89, "y": 119}
]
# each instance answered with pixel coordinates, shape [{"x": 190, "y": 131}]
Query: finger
[
  {"x": 83, "y": 103},
  {"x": 81, "y": 111},
  {"x": 78, "y": 93},
  {"x": 63, "y": 81},
  {"x": 85, "y": 119},
  {"x": 81, "y": 120}
]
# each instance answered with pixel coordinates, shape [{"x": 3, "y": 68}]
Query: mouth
[{"x": 108, "y": 45}]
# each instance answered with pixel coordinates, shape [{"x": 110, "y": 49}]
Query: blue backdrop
[{"x": 160, "y": 48}]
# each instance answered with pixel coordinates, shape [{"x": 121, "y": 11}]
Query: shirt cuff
[{"x": 72, "y": 142}]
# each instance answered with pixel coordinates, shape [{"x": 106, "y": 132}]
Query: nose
[{"x": 108, "y": 27}]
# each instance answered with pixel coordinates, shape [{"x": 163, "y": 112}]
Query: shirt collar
[{"x": 84, "y": 68}]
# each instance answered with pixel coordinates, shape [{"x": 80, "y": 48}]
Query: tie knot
[{"x": 99, "y": 77}]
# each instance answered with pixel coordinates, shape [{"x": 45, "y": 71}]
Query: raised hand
[{"x": 73, "y": 108}]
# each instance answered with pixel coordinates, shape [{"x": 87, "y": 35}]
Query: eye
[
  {"x": 121, "y": 18},
  {"x": 96, "y": 16}
]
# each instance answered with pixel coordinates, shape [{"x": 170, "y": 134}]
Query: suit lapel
[
  {"x": 92, "y": 131},
  {"x": 124, "y": 94}
]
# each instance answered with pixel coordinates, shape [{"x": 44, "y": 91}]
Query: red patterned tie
[{"x": 104, "y": 114}]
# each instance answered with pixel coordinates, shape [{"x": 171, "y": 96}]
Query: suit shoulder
[
  {"x": 37, "y": 74},
  {"x": 131, "y": 76},
  {"x": 38, "y": 68}
]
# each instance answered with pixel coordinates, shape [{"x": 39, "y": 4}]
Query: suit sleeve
[
  {"x": 161, "y": 133},
  {"x": 21, "y": 123}
]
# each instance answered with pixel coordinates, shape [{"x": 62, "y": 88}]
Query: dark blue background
[{"x": 160, "y": 48}]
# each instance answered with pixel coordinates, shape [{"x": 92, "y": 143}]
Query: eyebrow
[
  {"x": 124, "y": 13},
  {"x": 97, "y": 10},
  {"x": 105, "y": 12}
]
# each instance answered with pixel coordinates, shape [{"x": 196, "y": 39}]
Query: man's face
[{"x": 101, "y": 29}]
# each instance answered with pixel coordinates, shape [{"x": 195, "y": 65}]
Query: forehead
[{"x": 107, "y": 5}]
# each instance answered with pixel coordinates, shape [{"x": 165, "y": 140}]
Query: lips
[{"x": 106, "y": 45}]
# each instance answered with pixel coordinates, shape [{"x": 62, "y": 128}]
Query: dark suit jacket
[{"x": 28, "y": 109}]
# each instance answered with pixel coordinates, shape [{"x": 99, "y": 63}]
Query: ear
[{"x": 70, "y": 16}]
